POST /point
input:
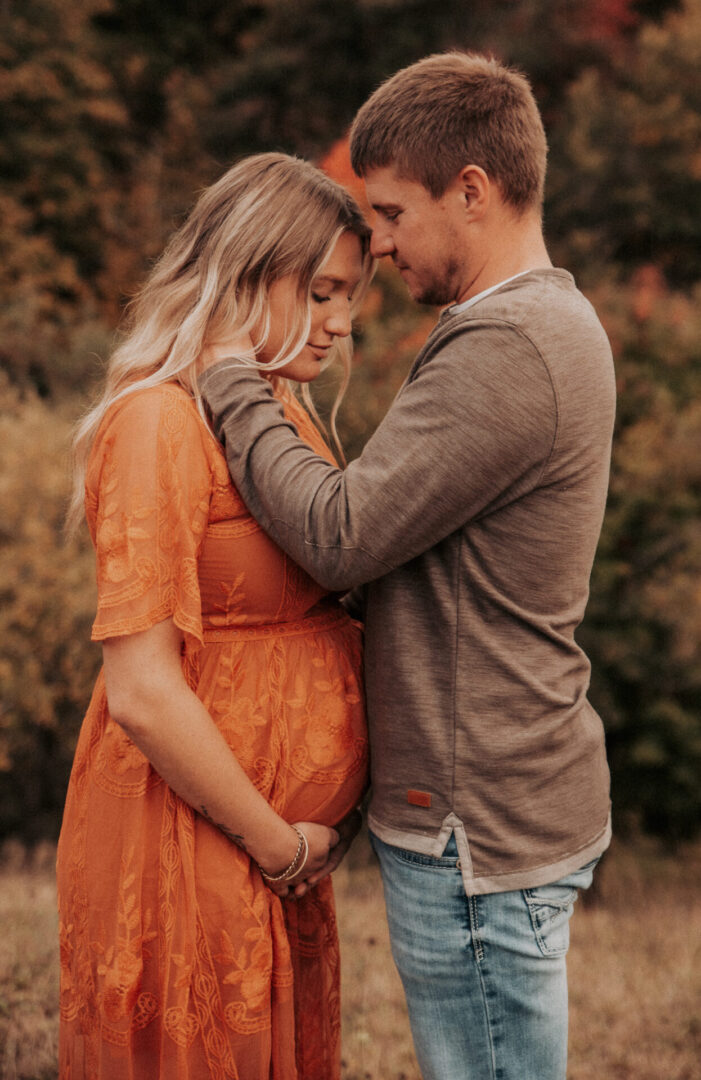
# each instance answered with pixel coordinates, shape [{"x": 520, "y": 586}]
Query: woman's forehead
[{"x": 344, "y": 264}]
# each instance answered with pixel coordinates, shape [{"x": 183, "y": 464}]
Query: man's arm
[{"x": 471, "y": 431}]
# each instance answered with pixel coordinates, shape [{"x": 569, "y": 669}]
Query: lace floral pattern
[{"x": 176, "y": 960}]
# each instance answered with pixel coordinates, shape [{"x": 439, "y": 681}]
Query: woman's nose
[{"x": 339, "y": 322}]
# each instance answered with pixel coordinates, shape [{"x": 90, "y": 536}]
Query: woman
[{"x": 225, "y": 738}]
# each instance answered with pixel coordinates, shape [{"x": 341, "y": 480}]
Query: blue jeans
[{"x": 484, "y": 976}]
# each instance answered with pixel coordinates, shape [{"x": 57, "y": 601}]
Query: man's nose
[{"x": 381, "y": 243}]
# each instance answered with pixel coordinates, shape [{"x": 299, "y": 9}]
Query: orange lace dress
[{"x": 176, "y": 961}]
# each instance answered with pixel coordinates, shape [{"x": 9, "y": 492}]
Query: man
[{"x": 471, "y": 518}]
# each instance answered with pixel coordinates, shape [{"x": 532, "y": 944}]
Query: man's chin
[{"x": 431, "y": 297}]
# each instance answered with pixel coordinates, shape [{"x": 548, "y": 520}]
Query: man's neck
[{"x": 513, "y": 249}]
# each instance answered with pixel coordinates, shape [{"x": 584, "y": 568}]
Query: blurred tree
[
  {"x": 643, "y": 624},
  {"x": 159, "y": 38},
  {"x": 47, "y": 665},
  {"x": 308, "y": 66},
  {"x": 113, "y": 113},
  {"x": 60, "y": 126},
  {"x": 655, "y": 9},
  {"x": 625, "y": 177},
  {"x": 61, "y": 133}
]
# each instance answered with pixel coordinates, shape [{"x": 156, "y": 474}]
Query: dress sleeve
[{"x": 148, "y": 492}]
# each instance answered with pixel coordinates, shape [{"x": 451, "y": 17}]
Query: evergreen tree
[{"x": 625, "y": 181}]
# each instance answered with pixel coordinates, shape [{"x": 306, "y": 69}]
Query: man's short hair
[{"x": 450, "y": 110}]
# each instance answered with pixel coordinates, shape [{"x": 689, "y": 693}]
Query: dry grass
[
  {"x": 28, "y": 967},
  {"x": 635, "y": 972}
]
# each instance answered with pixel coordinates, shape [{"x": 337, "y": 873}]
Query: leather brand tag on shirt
[{"x": 418, "y": 798}]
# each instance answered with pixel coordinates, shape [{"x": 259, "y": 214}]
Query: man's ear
[{"x": 476, "y": 190}]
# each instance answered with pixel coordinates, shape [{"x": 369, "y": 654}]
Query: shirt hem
[{"x": 482, "y": 884}]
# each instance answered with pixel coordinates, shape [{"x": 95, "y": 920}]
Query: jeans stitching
[
  {"x": 474, "y": 926},
  {"x": 478, "y": 948}
]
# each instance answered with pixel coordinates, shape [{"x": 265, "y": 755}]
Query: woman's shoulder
[
  {"x": 148, "y": 402},
  {"x": 153, "y": 423},
  {"x": 151, "y": 411}
]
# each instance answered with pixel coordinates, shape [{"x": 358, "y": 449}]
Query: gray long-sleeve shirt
[{"x": 472, "y": 518}]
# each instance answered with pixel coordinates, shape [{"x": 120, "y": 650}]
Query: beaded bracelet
[{"x": 297, "y": 864}]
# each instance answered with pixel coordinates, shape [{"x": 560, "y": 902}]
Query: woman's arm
[
  {"x": 148, "y": 696},
  {"x": 347, "y": 830}
]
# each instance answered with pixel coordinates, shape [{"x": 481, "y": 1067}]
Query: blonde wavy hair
[{"x": 269, "y": 216}]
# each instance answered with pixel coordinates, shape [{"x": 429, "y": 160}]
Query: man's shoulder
[
  {"x": 536, "y": 294},
  {"x": 543, "y": 307}
]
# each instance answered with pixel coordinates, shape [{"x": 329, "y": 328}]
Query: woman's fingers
[{"x": 327, "y": 848}]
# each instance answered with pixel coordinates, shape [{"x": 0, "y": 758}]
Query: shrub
[{"x": 47, "y": 665}]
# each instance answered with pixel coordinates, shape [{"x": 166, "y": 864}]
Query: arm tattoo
[{"x": 236, "y": 838}]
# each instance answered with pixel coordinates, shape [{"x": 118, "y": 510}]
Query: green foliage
[
  {"x": 625, "y": 181},
  {"x": 47, "y": 665},
  {"x": 114, "y": 113},
  {"x": 61, "y": 131},
  {"x": 643, "y": 622}
]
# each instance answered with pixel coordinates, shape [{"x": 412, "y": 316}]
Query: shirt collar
[{"x": 456, "y": 309}]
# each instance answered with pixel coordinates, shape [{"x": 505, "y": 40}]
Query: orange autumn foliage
[{"x": 336, "y": 164}]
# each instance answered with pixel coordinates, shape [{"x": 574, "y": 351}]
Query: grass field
[{"x": 635, "y": 971}]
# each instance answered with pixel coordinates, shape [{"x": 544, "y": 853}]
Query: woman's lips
[{"x": 321, "y": 349}]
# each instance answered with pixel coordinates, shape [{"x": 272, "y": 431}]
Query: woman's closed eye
[{"x": 325, "y": 299}]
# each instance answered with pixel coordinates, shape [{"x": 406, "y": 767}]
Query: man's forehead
[{"x": 385, "y": 186}]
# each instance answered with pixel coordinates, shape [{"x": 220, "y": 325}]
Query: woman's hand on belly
[
  {"x": 347, "y": 830},
  {"x": 322, "y": 841}
]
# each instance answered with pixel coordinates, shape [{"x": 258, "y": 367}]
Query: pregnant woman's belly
[{"x": 289, "y": 702}]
